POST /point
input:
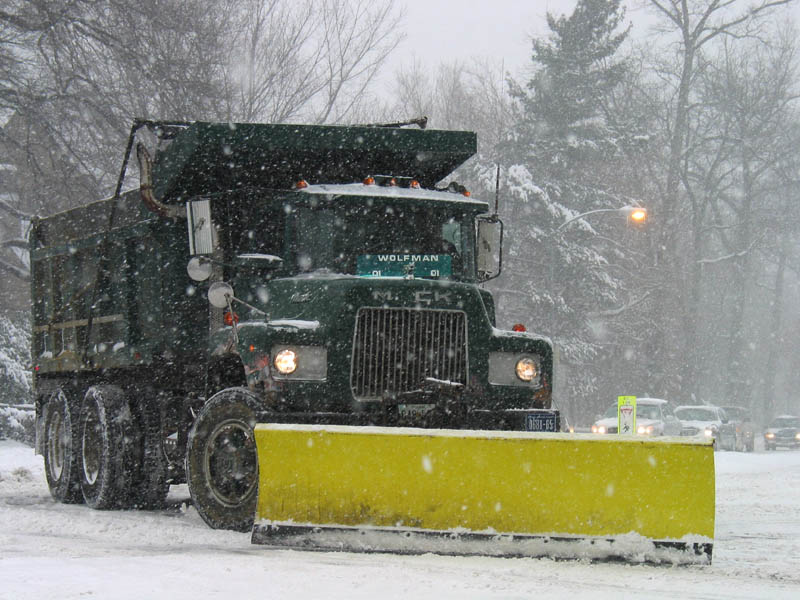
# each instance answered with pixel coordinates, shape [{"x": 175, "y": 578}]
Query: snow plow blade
[{"x": 495, "y": 493}]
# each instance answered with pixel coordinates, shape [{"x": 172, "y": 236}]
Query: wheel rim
[
  {"x": 56, "y": 446},
  {"x": 90, "y": 446},
  {"x": 229, "y": 462}
]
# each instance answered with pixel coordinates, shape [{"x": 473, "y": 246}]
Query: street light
[
  {"x": 638, "y": 215},
  {"x": 635, "y": 214}
]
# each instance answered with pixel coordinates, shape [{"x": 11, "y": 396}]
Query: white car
[
  {"x": 708, "y": 421},
  {"x": 653, "y": 417}
]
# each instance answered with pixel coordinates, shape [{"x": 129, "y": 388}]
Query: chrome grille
[{"x": 396, "y": 349}]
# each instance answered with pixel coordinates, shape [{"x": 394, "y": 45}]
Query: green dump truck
[{"x": 267, "y": 273}]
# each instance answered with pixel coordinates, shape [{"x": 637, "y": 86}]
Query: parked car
[
  {"x": 744, "y": 427},
  {"x": 709, "y": 421},
  {"x": 653, "y": 417},
  {"x": 783, "y": 431}
]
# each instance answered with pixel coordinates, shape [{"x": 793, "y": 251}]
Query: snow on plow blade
[{"x": 496, "y": 493}]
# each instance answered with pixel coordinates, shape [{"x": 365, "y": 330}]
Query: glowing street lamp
[{"x": 635, "y": 214}]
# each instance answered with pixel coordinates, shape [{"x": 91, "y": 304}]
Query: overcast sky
[{"x": 445, "y": 30}]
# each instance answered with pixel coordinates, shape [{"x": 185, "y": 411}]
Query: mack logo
[{"x": 420, "y": 297}]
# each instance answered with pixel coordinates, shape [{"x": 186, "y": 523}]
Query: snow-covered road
[{"x": 50, "y": 551}]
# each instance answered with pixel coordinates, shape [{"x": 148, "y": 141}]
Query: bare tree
[
  {"x": 749, "y": 96},
  {"x": 693, "y": 26},
  {"x": 308, "y": 60}
]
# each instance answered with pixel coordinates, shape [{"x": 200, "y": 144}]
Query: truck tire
[
  {"x": 107, "y": 443},
  {"x": 221, "y": 460},
  {"x": 61, "y": 446},
  {"x": 150, "y": 487}
]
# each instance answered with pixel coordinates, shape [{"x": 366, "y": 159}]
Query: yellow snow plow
[{"x": 496, "y": 493}]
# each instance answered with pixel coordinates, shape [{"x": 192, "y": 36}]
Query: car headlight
[
  {"x": 710, "y": 431},
  {"x": 797, "y": 436},
  {"x": 769, "y": 435},
  {"x": 286, "y": 361},
  {"x": 526, "y": 369},
  {"x": 642, "y": 430},
  {"x": 598, "y": 429}
]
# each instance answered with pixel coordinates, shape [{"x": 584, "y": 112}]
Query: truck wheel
[
  {"x": 61, "y": 450},
  {"x": 221, "y": 460},
  {"x": 151, "y": 487},
  {"x": 107, "y": 444}
]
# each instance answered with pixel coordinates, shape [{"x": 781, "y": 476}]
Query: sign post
[{"x": 626, "y": 415}]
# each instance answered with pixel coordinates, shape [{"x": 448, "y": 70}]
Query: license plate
[
  {"x": 414, "y": 410},
  {"x": 541, "y": 422}
]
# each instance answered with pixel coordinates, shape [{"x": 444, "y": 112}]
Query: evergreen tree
[
  {"x": 564, "y": 156},
  {"x": 563, "y": 110}
]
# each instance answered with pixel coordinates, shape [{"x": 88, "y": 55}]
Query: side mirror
[
  {"x": 220, "y": 294},
  {"x": 201, "y": 232},
  {"x": 199, "y": 269},
  {"x": 490, "y": 247}
]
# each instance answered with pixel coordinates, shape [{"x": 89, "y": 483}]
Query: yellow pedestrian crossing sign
[{"x": 626, "y": 415}]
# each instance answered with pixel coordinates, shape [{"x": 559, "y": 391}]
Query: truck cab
[{"x": 359, "y": 301}]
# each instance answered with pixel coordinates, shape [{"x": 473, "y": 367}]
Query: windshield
[
  {"x": 643, "y": 411},
  {"x": 786, "y": 422},
  {"x": 385, "y": 239},
  {"x": 695, "y": 414}
]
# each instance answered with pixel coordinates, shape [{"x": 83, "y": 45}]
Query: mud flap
[{"x": 495, "y": 493}]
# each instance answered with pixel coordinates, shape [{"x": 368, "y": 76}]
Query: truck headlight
[
  {"x": 519, "y": 369},
  {"x": 299, "y": 363},
  {"x": 526, "y": 369},
  {"x": 286, "y": 361}
]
